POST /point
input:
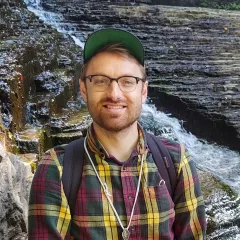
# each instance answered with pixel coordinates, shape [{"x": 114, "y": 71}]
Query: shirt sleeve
[
  {"x": 49, "y": 214},
  {"x": 190, "y": 220}
]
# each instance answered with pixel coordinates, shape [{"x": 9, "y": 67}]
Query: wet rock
[
  {"x": 222, "y": 208},
  {"x": 66, "y": 137},
  {"x": 30, "y": 140},
  {"x": 38, "y": 111},
  {"x": 64, "y": 61},
  {"x": 48, "y": 82},
  {"x": 30, "y": 51},
  {"x": 5, "y": 137},
  {"x": 53, "y": 91},
  {"x": 223, "y": 218},
  {"x": 70, "y": 125}
]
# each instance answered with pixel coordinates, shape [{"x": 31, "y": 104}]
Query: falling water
[
  {"x": 209, "y": 157},
  {"x": 55, "y": 20}
]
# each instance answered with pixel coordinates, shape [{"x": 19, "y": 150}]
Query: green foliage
[{"x": 220, "y": 5}]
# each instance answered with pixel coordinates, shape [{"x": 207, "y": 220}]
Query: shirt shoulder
[
  {"x": 174, "y": 148},
  {"x": 54, "y": 156}
]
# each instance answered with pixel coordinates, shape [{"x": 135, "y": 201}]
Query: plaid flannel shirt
[{"x": 156, "y": 214}]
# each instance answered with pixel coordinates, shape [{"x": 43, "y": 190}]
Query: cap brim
[{"x": 101, "y": 38}]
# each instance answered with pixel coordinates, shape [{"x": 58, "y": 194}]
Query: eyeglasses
[{"x": 126, "y": 83}]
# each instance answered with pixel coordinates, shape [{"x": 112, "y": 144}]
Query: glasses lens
[
  {"x": 100, "y": 83},
  {"x": 127, "y": 84}
]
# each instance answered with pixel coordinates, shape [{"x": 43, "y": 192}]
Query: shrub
[{"x": 220, "y": 5}]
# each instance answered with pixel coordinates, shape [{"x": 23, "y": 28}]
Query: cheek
[
  {"x": 93, "y": 98},
  {"x": 135, "y": 100}
]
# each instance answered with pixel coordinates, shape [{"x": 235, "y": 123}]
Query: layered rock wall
[
  {"x": 189, "y": 3},
  {"x": 192, "y": 59},
  {"x": 38, "y": 74},
  {"x": 12, "y": 3}
]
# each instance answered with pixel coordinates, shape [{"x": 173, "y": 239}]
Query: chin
[{"x": 115, "y": 126}]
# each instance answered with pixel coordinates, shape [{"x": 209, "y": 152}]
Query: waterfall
[
  {"x": 219, "y": 160},
  {"x": 55, "y": 20}
]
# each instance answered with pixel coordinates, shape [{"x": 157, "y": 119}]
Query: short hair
[{"x": 113, "y": 48}]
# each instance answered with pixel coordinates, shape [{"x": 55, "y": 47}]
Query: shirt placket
[{"x": 129, "y": 193}]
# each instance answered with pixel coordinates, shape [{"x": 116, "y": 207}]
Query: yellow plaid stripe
[
  {"x": 44, "y": 209},
  {"x": 55, "y": 161},
  {"x": 191, "y": 202},
  {"x": 150, "y": 219}
]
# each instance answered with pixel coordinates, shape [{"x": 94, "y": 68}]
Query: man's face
[{"x": 113, "y": 110}]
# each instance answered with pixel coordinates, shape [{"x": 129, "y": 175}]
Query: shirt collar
[{"x": 95, "y": 145}]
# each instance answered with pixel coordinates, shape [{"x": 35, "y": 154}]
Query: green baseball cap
[{"x": 103, "y": 37}]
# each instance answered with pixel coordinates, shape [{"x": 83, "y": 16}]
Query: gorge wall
[{"x": 193, "y": 59}]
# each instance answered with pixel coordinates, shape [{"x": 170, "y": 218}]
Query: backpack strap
[
  {"x": 163, "y": 161},
  {"x": 72, "y": 170}
]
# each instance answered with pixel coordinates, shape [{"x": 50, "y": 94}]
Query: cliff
[{"x": 193, "y": 59}]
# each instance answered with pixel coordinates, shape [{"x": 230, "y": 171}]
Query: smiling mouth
[{"x": 114, "y": 107}]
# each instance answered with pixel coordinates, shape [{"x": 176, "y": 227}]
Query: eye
[
  {"x": 100, "y": 80},
  {"x": 127, "y": 81}
]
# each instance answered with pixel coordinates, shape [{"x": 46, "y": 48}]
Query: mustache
[{"x": 114, "y": 101}]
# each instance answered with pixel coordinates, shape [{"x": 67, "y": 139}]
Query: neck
[{"x": 119, "y": 144}]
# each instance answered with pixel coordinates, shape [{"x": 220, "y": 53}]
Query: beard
[{"x": 114, "y": 122}]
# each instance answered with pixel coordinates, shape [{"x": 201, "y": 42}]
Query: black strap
[
  {"x": 163, "y": 161},
  {"x": 72, "y": 171}
]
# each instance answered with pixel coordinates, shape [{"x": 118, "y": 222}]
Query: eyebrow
[{"x": 102, "y": 74}]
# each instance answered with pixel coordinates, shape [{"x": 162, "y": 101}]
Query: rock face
[
  {"x": 193, "y": 59},
  {"x": 189, "y": 3},
  {"x": 15, "y": 179},
  {"x": 11, "y": 3},
  {"x": 38, "y": 69}
]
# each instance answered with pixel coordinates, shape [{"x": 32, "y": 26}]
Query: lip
[{"x": 114, "y": 107}]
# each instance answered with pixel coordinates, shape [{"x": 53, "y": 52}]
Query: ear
[
  {"x": 83, "y": 90},
  {"x": 144, "y": 91}
]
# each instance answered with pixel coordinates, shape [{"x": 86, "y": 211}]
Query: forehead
[{"x": 113, "y": 64}]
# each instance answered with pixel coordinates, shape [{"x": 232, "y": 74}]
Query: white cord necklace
[{"x": 125, "y": 232}]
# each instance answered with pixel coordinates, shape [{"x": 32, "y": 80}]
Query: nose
[{"x": 113, "y": 91}]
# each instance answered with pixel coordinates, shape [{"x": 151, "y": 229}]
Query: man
[{"x": 122, "y": 194}]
